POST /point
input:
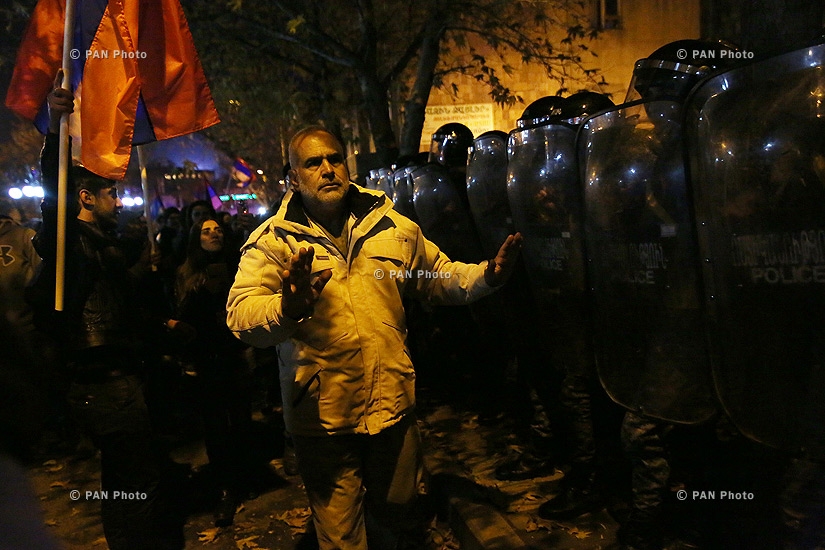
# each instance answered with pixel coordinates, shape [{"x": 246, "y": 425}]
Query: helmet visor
[{"x": 656, "y": 79}]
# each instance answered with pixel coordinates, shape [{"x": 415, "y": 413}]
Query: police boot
[{"x": 578, "y": 496}]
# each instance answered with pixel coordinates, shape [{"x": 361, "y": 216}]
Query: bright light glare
[
  {"x": 28, "y": 191},
  {"x": 15, "y": 193},
  {"x": 127, "y": 201},
  {"x": 262, "y": 210},
  {"x": 138, "y": 201}
]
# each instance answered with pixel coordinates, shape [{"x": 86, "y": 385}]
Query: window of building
[{"x": 609, "y": 14}]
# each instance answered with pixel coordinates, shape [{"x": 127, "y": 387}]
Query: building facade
[{"x": 629, "y": 30}]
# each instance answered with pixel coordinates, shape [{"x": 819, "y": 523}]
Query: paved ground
[
  {"x": 462, "y": 455},
  {"x": 475, "y": 511}
]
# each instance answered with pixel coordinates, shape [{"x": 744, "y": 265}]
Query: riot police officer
[
  {"x": 755, "y": 138},
  {"x": 643, "y": 274},
  {"x": 546, "y": 203},
  {"x": 464, "y": 344}
]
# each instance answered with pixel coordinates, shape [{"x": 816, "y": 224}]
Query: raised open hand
[
  {"x": 501, "y": 267},
  {"x": 300, "y": 292}
]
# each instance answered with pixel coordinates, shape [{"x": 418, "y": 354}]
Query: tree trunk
[
  {"x": 377, "y": 107},
  {"x": 415, "y": 107}
]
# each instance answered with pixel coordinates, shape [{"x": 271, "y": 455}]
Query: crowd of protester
[{"x": 155, "y": 346}]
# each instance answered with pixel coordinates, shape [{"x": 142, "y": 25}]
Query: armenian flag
[
  {"x": 242, "y": 172},
  {"x": 136, "y": 76}
]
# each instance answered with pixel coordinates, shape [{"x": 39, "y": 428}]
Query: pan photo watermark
[
  {"x": 74, "y": 494},
  {"x": 411, "y": 274},
  {"x": 712, "y": 54},
  {"x": 723, "y": 495},
  {"x": 107, "y": 54}
]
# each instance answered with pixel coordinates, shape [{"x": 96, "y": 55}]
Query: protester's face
[
  {"x": 173, "y": 221},
  {"x": 211, "y": 236},
  {"x": 199, "y": 213},
  {"x": 107, "y": 207},
  {"x": 319, "y": 174}
]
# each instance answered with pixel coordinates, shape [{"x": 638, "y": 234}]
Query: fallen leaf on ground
[
  {"x": 579, "y": 534},
  {"x": 248, "y": 542},
  {"x": 209, "y": 535},
  {"x": 296, "y": 519}
]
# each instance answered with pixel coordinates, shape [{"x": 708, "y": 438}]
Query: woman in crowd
[{"x": 215, "y": 359}]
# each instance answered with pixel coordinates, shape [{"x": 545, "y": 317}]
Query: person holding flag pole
[
  {"x": 141, "y": 81},
  {"x": 132, "y": 80},
  {"x": 98, "y": 330}
]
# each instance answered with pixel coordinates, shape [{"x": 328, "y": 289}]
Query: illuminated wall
[{"x": 641, "y": 26}]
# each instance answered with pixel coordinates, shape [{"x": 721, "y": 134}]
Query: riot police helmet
[
  {"x": 492, "y": 134},
  {"x": 577, "y": 107},
  {"x": 492, "y": 138},
  {"x": 540, "y": 111},
  {"x": 673, "y": 70},
  {"x": 449, "y": 145}
]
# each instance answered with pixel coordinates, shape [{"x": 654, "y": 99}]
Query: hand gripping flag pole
[
  {"x": 137, "y": 71},
  {"x": 63, "y": 170}
]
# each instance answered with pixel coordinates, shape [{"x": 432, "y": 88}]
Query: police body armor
[
  {"x": 487, "y": 190},
  {"x": 757, "y": 157},
  {"x": 642, "y": 263}
]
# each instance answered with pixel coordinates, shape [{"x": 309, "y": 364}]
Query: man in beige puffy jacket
[{"x": 324, "y": 279}]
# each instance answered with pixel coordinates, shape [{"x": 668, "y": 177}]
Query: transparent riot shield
[
  {"x": 545, "y": 200},
  {"x": 544, "y": 196},
  {"x": 384, "y": 182},
  {"x": 643, "y": 263},
  {"x": 371, "y": 181},
  {"x": 403, "y": 192},
  {"x": 756, "y": 144},
  {"x": 443, "y": 213},
  {"x": 487, "y": 190}
]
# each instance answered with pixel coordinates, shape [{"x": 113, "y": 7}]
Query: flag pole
[
  {"x": 64, "y": 154},
  {"x": 144, "y": 185}
]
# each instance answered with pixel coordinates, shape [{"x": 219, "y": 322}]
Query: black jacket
[{"x": 99, "y": 304}]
